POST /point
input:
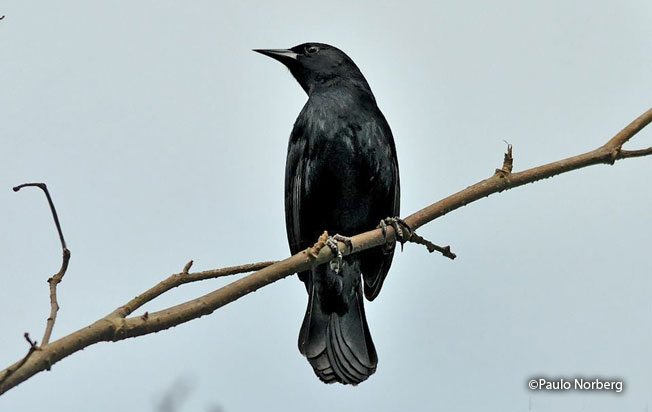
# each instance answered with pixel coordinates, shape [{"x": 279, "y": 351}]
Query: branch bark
[{"x": 118, "y": 326}]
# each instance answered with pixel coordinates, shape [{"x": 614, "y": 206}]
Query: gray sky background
[{"x": 162, "y": 138}]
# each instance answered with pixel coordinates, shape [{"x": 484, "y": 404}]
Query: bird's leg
[
  {"x": 331, "y": 242},
  {"x": 336, "y": 262},
  {"x": 402, "y": 229}
]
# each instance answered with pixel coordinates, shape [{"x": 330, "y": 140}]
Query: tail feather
[
  {"x": 348, "y": 363},
  {"x": 337, "y": 345},
  {"x": 325, "y": 374}
]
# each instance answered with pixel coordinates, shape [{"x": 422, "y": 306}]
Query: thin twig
[
  {"x": 444, "y": 250},
  {"x": 182, "y": 278},
  {"x": 58, "y": 277},
  {"x": 43, "y": 187},
  {"x": 624, "y": 154}
]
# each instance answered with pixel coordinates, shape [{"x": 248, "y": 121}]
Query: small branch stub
[
  {"x": 187, "y": 267},
  {"x": 508, "y": 162}
]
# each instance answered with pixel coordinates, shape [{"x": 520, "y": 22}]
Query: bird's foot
[
  {"x": 403, "y": 232},
  {"x": 331, "y": 242}
]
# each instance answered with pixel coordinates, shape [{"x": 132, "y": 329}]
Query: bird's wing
[
  {"x": 294, "y": 174},
  {"x": 375, "y": 262},
  {"x": 294, "y": 191}
]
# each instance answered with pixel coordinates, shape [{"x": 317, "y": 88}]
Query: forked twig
[{"x": 32, "y": 348}]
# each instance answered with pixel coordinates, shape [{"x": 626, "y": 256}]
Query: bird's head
[{"x": 318, "y": 65}]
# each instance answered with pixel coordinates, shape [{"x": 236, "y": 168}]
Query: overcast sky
[{"x": 162, "y": 138}]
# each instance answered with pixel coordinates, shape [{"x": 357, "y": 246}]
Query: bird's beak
[{"x": 284, "y": 56}]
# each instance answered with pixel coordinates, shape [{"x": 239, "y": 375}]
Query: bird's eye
[{"x": 312, "y": 49}]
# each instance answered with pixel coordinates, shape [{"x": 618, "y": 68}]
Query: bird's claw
[
  {"x": 331, "y": 242},
  {"x": 344, "y": 239},
  {"x": 402, "y": 229}
]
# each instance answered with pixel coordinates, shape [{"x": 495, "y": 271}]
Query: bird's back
[
  {"x": 341, "y": 170},
  {"x": 341, "y": 174}
]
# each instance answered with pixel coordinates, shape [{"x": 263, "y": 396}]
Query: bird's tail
[{"x": 336, "y": 338}]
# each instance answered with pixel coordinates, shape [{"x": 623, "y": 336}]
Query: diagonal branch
[
  {"x": 179, "y": 279},
  {"x": 116, "y": 326}
]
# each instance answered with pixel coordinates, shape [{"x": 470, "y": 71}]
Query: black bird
[{"x": 341, "y": 176}]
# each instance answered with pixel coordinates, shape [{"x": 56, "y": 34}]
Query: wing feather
[{"x": 375, "y": 263}]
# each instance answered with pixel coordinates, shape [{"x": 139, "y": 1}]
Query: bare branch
[
  {"x": 116, "y": 326},
  {"x": 58, "y": 277},
  {"x": 629, "y": 131},
  {"x": 606, "y": 154}
]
